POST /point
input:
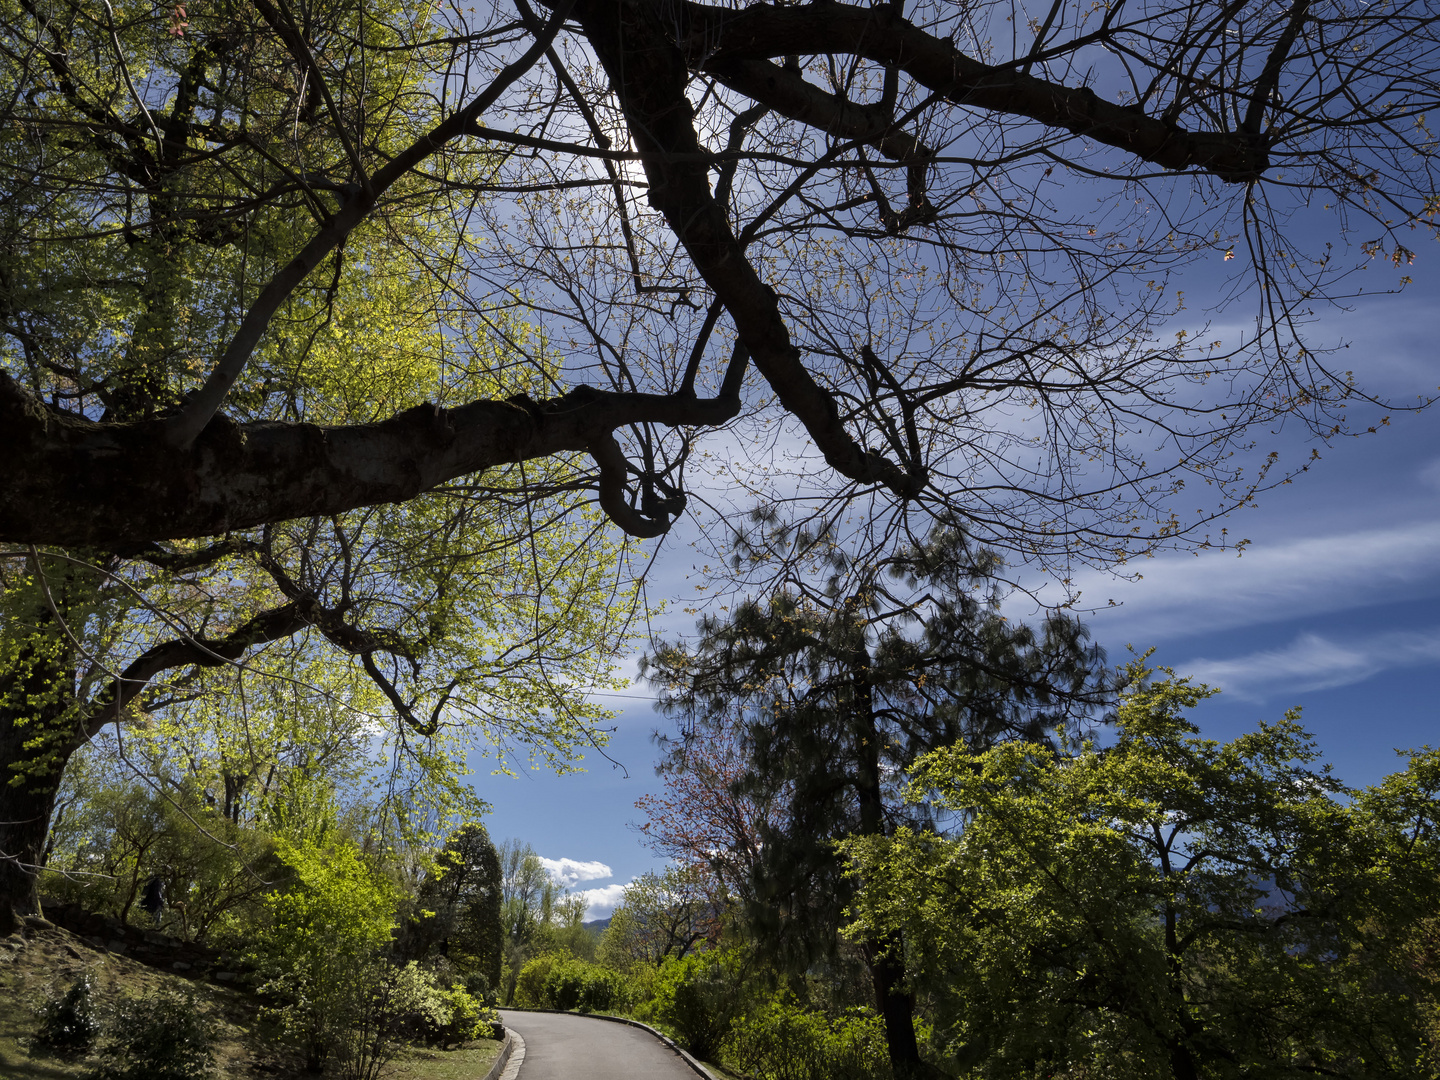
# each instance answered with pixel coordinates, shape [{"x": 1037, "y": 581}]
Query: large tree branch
[
  {"x": 73, "y": 482},
  {"x": 649, "y": 74},
  {"x": 725, "y": 43},
  {"x": 790, "y": 95},
  {"x": 272, "y": 625}
]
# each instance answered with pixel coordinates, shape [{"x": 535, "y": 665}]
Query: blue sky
[{"x": 1332, "y": 607}]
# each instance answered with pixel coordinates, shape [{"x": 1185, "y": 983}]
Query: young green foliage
[
  {"x": 1167, "y": 906},
  {"x": 321, "y": 946}
]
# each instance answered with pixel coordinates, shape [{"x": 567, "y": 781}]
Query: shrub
[
  {"x": 319, "y": 950},
  {"x": 530, "y": 983},
  {"x": 576, "y": 984},
  {"x": 68, "y": 1021},
  {"x": 470, "y": 1017},
  {"x": 477, "y": 985},
  {"x": 699, "y": 997},
  {"x": 782, "y": 1041},
  {"x": 164, "y": 1037},
  {"x": 424, "y": 1012}
]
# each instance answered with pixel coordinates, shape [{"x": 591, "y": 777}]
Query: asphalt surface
[{"x": 563, "y": 1046}]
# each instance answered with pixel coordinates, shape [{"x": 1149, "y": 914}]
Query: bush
[
  {"x": 478, "y": 987},
  {"x": 68, "y": 1021},
  {"x": 699, "y": 997},
  {"x": 782, "y": 1041},
  {"x": 165, "y": 1037},
  {"x": 575, "y": 984},
  {"x": 423, "y": 1012},
  {"x": 530, "y": 983},
  {"x": 319, "y": 952},
  {"x": 562, "y": 981}
]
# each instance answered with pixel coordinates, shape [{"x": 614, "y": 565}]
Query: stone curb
[
  {"x": 513, "y": 1045},
  {"x": 684, "y": 1055}
]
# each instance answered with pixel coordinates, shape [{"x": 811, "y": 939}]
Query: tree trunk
[
  {"x": 896, "y": 1007},
  {"x": 28, "y": 788},
  {"x": 883, "y": 957},
  {"x": 24, "y": 823},
  {"x": 39, "y": 730}
]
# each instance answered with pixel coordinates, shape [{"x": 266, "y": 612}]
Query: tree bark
[
  {"x": 72, "y": 482},
  {"x": 720, "y": 40},
  {"x": 884, "y": 956},
  {"x": 35, "y": 744}
]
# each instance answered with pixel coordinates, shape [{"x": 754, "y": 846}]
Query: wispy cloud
[
  {"x": 602, "y": 902},
  {"x": 1314, "y": 662},
  {"x": 1179, "y": 595},
  {"x": 570, "y": 872}
]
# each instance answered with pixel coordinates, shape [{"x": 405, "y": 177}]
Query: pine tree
[{"x": 834, "y": 691}]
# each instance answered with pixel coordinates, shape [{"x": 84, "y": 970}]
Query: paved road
[{"x": 563, "y": 1046}]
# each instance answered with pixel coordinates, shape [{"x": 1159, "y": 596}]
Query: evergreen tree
[
  {"x": 834, "y": 692},
  {"x": 460, "y": 905}
]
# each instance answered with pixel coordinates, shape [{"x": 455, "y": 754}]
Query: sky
[{"x": 1331, "y": 608}]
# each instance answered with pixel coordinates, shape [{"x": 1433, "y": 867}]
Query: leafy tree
[
  {"x": 271, "y": 276},
  {"x": 320, "y": 950},
  {"x": 1166, "y": 906},
  {"x": 662, "y": 915},
  {"x": 529, "y": 901},
  {"x": 929, "y": 230},
  {"x": 83, "y": 649},
  {"x": 459, "y": 636},
  {"x": 195, "y": 793},
  {"x": 834, "y": 696},
  {"x": 126, "y": 832},
  {"x": 704, "y": 820}
]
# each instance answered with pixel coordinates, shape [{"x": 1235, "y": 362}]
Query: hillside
[{"x": 44, "y": 959}]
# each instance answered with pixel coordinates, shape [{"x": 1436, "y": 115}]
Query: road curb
[
  {"x": 684, "y": 1055},
  {"x": 514, "y": 1044}
]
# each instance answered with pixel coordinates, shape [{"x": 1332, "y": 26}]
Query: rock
[
  {"x": 226, "y": 976},
  {"x": 180, "y": 965},
  {"x": 73, "y": 952},
  {"x": 116, "y": 945},
  {"x": 35, "y": 922}
]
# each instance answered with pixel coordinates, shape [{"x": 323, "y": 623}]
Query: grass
[
  {"x": 48, "y": 961},
  {"x": 470, "y": 1062}
]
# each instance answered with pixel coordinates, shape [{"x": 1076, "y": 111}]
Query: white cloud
[
  {"x": 570, "y": 872},
  {"x": 1313, "y": 662},
  {"x": 1186, "y": 594},
  {"x": 602, "y": 902}
]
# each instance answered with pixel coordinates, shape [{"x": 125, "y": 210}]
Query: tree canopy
[
  {"x": 1166, "y": 906},
  {"x": 938, "y": 238},
  {"x": 330, "y": 327}
]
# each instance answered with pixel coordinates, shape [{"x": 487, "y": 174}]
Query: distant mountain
[{"x": 596, "y": 926}]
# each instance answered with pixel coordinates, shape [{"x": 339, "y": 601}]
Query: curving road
[{"x": 564, "y": 1046}]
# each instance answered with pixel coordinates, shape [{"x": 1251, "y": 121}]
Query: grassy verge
[{"x": 470, "y": 1062}]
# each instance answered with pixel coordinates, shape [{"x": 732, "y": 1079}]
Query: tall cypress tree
[{"x": 833, "y": 691}]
